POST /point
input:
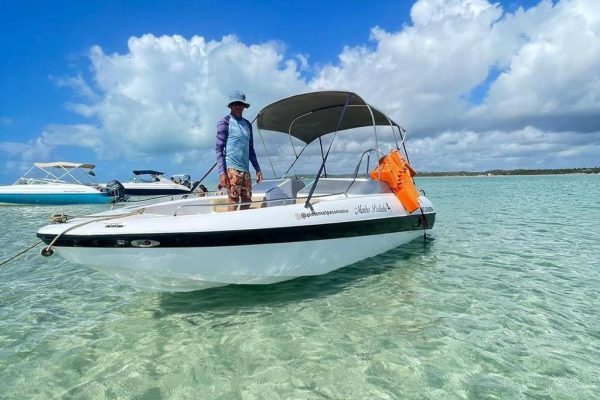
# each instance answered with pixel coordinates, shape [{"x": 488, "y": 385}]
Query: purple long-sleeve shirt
[{"x": 221, "y": 144}]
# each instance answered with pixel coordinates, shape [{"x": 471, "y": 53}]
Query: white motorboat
[
  {"x": 292, "y": 228},
  {"x": 59, "y": 183},
  {"x": 149, "y": 183}
]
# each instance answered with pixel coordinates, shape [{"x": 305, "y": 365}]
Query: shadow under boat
[{"x": 249, "y": 297}]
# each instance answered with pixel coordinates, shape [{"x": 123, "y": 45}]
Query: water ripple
[{"x": 500, "y": 302}]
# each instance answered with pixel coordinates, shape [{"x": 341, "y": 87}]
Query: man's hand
[
  {"x": 259, "y": 176},
  {"x": 223, "y": 181}
]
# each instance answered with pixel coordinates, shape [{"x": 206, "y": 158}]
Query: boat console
[{"x": 278, "y": 192}]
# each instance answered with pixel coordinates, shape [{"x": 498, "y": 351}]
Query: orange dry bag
[{"x": 397, "y": 173}]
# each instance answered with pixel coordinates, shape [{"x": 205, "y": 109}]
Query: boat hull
[
  {"x": 56, "y": 183},
  {"x": 196, "y": 268},
  {"x": 164, "y": 249}
]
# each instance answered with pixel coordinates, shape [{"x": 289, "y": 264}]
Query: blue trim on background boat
[{"x": 56, "y": 198}]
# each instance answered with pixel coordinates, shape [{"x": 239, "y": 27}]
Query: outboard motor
[
  {"x": 116, "y": 190},
  {"x": 187, "y": 181},
  {"x": 184, "y": 180}
]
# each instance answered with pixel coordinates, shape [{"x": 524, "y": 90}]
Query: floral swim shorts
[{"x": 240, "y": 185}]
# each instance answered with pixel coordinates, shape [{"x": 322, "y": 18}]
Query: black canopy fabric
[
  {"x": 147, "y": 172},
  {"x": 311, "y": 115}
]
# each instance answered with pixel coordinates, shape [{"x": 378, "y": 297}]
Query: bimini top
[
  {"x": 64, "y": 164},
  {"x": 147, "y": 172},
  {"x": 311, "y": 115}
]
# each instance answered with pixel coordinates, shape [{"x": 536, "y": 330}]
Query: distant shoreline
[
  {"x": 491, "y": 172},
  {"x": 504, "y": 172}
]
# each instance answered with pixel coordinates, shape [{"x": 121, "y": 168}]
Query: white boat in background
[
  {"x": 291, "y": 229},
  {"x": 149, "y": 183},
  {"x": 59, "y": 183}
]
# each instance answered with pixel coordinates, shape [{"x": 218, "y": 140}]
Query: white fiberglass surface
[{"x": 252, "y": 264}]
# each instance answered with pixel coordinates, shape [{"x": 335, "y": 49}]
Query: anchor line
[
  {"x": 425, "y": 223},
  {"x": 47, "y": 251},
  {"x": 20, "y": 253}
]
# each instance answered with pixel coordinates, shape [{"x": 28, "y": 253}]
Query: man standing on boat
[{"x": 235, "y": 152}]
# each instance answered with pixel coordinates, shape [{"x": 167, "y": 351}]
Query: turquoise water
[{"x": 501, "y": 302}]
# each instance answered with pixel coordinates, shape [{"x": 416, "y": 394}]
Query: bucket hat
[{"x": 237, "y": 97}]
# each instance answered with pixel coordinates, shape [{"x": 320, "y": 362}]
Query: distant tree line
[{"x": 558, "y": 171}]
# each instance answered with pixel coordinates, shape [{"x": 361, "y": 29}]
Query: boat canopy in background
[
  {"x": 64, "y": 164},
  {"x": 147, "y": 172}
]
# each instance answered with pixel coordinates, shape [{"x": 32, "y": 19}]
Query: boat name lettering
[
  {"x": 427, "y": 209},
  {"x": 319, "y": 213},
  {"x": 374, "y": 208},
  {"x": 113, "y": 226}
]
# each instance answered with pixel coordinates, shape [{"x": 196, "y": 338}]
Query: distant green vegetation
[{"x": 559, "y": 171}]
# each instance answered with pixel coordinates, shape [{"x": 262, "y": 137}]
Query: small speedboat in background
[
  {"x": 59, "y": 183},
  {"x": 293, "y": 227},
  {"x": 148, "y": 182}
]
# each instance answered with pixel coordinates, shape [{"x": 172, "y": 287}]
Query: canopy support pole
[
  {"x": 314, "y": 185},
  {"x": 267, "y": 153},
  {"x": 201, "y": 179},
  {"x": 322, "y": 157}
]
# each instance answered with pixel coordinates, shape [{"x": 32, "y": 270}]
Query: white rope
[
  {"x": 47, "y": 251},
  {"x": 18, "y": 254}
]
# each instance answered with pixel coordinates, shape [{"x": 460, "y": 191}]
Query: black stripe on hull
[
  {"x": 253, "y": 236},
  {"x": 155, "y": 192}
]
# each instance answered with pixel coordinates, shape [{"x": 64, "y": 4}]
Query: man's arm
[{"x": 222, "y": 131}]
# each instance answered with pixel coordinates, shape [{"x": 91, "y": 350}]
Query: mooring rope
[
  {"x": 62, "y": 218},
  {"x": 18, "y": 254},
  {"x": 47, "y": 251}
]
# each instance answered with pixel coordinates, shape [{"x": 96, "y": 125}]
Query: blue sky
[
  {"x": 478, "y": 85},
  {"x": 47, "y": 38}
]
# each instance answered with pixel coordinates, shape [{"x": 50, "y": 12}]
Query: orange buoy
[{"x": 397, "y": 173}]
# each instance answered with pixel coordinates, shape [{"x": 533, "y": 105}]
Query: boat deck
[{"x": 273, "y": 193}]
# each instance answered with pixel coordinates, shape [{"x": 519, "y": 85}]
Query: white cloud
[
  {"x": 67, "y": 135},
  {"x": 166, "y": 94},
  {"x": 525, "y": 148},
  {"x": 19, "y": 156},
  {"x": 421, "y": 73},
  {"x": 436, "y": 76},
  {"x": 556, "y": 72},
  {"x": 548, "y": 89},
  {"x": 78, "y": 84}
]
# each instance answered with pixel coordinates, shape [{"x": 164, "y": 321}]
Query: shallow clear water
[{"x": 500, "y": 302}]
